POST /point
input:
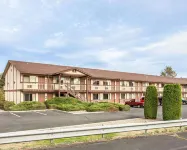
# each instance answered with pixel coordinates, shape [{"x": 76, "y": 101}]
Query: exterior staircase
[{"x": 72, "y": 92}]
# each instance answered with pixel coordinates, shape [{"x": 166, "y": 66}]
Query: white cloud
[
  {"x": 93, "y": 40},
  {"x": 107, "y": 56},
  {"x": 14, "y": 3},
  {"x": 55, "y": 43},
  {"x": 58, "y": 34},
  {"x": 111, "y": 55},
  {"x": 9, "y": 34},
  {"x": 32, "y": 50},
  {"x": 56, "y": 40},
  {"x": 175, "y": 43}
]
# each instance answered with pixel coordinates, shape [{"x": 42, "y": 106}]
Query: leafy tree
[
  {"x": 151, "y": 103},
  {"x": 2, "y": 81},
  {"x": 168, "y": 72},
  {"x": 172, "y": 101}
]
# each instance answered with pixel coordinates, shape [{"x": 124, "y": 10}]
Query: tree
[
  {"x": 168, "y": 72},
  {"x": 172, "y": 101},
  {"x": 151, "y": 103},
  {"x": 2, "y": 81}
]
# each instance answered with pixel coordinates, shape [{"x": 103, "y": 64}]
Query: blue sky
[{"x": 126, "y": 35}]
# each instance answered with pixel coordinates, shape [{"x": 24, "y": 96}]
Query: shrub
[
  {"x": 8, "y": 104},
  {"x": 124, "y": 108},
  {"x": 2, "y": 104},
  {"x": 172, "y": 101},
  {"x": 70, "y": 107},
  {"x": 28, "y": 106},
  {"x": 72, "y": 104},
  {"x": 151, "y": 103},
  {"x": 62, "y": 100},
  {"x": 2, "y": 96},
  {"x": 2, "y": 99},
  {"x": 94, "y": 108},
  {"x": 102, "y": 106}
]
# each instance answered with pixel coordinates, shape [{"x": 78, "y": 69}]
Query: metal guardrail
[{"x": 54, "y": 133}]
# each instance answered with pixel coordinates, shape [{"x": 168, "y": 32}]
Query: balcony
[
  {"x": 39, "y": 86},
  {"x": 54, "y": 86},
  {"x": 82, "y": 87},
  {"x": 101, "y": 88}
]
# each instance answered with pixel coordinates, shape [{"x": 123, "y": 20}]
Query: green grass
[{"x": 61, "y": 141}]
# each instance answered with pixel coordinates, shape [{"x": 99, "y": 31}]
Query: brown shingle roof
[{"x": 42, "y": 69}]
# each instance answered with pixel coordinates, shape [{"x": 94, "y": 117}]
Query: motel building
[{"x": 27, "y": 81}]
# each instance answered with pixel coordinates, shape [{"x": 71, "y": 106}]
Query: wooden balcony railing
[{"x": 82, "y": 87}]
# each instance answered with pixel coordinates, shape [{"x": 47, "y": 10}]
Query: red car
[{"x": 133, "y": 103}]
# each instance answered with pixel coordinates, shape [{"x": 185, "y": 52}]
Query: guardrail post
[
  {"x": 146, "y": 132},
  {"x": 181, "y": 125},
  {"x": 51, "y": 141},
  {"x": 102, "y": 134}
]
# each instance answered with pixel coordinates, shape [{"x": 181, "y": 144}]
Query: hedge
[
  {"x": 2, "y": 99},
  {"x": 62, "y": 100},
  {"x": 2, "y": 104},
  {"x": 70, "y": 107},
  {"x": 28, "y": 106},
  {"x": 72, "y": 104},
  {"x": 104, "y": 106},
  {"x": 151, "y": 103},
  {"x": 8, "y": 104},
  {"x": 172, "y": 101}
]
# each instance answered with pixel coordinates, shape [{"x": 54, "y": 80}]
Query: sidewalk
[{"x": 2, "y": 110}]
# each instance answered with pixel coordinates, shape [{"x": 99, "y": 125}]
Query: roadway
[{"x": 162, "y": 142}]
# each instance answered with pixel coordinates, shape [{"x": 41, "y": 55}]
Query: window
[
  {"x": 105, "y": 96},
  {"x": 72, "y": 81},
  {"x": 125, "y": 83},
  {"x": 57, "y": 80},
  {"x": 105, "y": 83},
  {"x": 123, "y": 96},
  {"x": 32, "y": 78},
  {"x": 28, "y": 97},
  {"x": 145, "y": 84},
  {"x": 131, "y": 83},
  {"x": 95, "y": 96},
  {"x": 29, "y": 86},
  {"x": 96, "y": 82},
  {"x": 26, "y": 79},
  {"x": 29, "y": 78}
]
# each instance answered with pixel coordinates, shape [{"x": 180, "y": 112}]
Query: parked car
[
  {"x": 133, "y": 103},
  {"x": 142, "y": 99},
  {"x": 160, "y": 100},
  {"x": 184, "y": 102}
]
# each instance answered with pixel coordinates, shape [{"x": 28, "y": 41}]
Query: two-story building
[{"x": 27, "y": 81}]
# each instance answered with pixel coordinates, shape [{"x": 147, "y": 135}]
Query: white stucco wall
[{"x": 13, "y": 85}]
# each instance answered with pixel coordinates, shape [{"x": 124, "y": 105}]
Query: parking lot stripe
[
  {"x": 40, "y": 113},
  {"x": 14, "y": 114}
]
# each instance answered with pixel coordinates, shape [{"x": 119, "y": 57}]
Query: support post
[
  {"x": 87, "y": 88},
  {"x": 59, "y": 79}
]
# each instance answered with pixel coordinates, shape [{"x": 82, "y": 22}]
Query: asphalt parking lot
[
  {"x": 18, "y": 121},
  {"x": 162, "y": 142}
]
